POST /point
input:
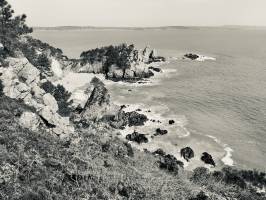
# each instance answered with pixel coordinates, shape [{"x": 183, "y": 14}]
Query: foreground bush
[{"x": 62, "y": 97}]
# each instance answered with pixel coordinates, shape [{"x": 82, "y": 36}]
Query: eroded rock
[{"x": 187, "y": 153}]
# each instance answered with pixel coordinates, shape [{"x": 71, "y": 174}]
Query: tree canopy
[{"x": 11, "y": 27}]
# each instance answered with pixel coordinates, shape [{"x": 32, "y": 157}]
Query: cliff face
[{"x": 22, "y": 81}]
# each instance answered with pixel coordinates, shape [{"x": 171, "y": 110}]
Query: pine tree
[{"x": 11, "y": 27}]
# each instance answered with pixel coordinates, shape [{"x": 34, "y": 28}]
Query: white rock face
[
  {"x": 115, "y": 72},
  {"x": 59, "y": 125},
  {"x": 1, "y": 46},
  {"x": 50, "y": 101},
  {"x": 29, "y": 120},
  {"x": 56, "y": 68},
  {"x": 21, "y": 80},
  {"x": 91, "y": 68},
  {"x": 146, "y": 54}
]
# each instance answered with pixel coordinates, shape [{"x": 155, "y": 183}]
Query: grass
[{"x": 94, "y": 165}]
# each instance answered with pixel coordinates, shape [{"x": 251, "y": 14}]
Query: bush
[
  {"x": 1, "y": 88},
  {"x": 62, "y": 97}
]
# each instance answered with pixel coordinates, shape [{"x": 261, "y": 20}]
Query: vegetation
[
  {"x": 111, "y": 55},
  {"x": 11, "y": 28},
  {"x": 61, "y": 95},
  {"x": 38, "y": 165},
  {"x": 1, "y": 88}
]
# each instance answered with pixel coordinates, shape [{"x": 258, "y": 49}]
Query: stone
[
  {"x": 98, "y": 103},
  {"x": 159, "y": 152},
  {"x": 160, "y": 132},
  {"x": 156, "y": 69},
  {"x": 137, "y": 137},
  {"x": 29, "y": 73},
  {"x": 50, "y": 101},
  {"x": 207, "y": 159},
  {"x": 171, "y": 122},
  {"x": 187, "y": 153},
  {"x": 136, "y": 119},
  {"x": 30, "y": 121},
  {"x": 191, "y": 56}
]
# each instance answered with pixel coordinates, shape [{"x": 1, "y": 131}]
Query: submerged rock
[
  {"x": 137, "y": 137},
  {"x": 187, "y": 153},
  {"x": 207, "y": 158},
  {"x": 160, "y": 132}
]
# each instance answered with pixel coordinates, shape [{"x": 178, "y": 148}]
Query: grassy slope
[{"x": 95, "y": 166}]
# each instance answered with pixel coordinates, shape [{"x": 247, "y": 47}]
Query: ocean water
[{"x": 219, "y": 106}]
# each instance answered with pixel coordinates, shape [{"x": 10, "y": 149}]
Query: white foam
[
  {"x": 227, "y": 159},
  {"x": 202, "y": 58}
]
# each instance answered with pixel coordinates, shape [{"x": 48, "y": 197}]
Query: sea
[{"x": 219, "y": 106}]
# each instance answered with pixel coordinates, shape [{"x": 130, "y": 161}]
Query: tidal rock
[
  {"x": 159, "y": 152},
  {"x": 160, "y": 132},
  {"x": 136, "y": 119},
  {"x": 191, "y": 56},
  {"x": 187, "y": 153},
  {"x": 171, "y": 122},
  {"x": 137, "y": 137},
  {"x": 156, "y": 69},
  {"x": 207, "y": 158},
  {"x": 29, "y": 120},
  {"x": 170, "y": 163}
]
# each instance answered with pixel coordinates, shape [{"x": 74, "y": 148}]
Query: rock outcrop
[
  {"x": 207, "y": 158},
  {"x": 160, "y": 132},
  {"x": 187, "y": 153},
  {"x": 137, "y": 137},
  {"x": 21, "y": 80},
  {"x": 30, "y": 121},
  {"x": 117, "y": 66},
  {"x": 98, "y": 103}
]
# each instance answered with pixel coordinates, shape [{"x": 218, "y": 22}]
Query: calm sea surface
[{"x": 221, "y": 103}]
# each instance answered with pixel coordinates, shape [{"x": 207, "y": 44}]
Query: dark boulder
[
  {"x": 160, "y": 132},
  {"x": 187, "y": 153},
  {"x": 170, "y": 163},
  {"x": 191, "y": 56},
  {"x": 159, "y": 152},
  {"x": 136, "y": 119},
  {"x": 207, "y": 158},
  {"x": 137, "y": 137},
  {"x": 171, "y": 122},
  {"x": 156, "y": 69}
]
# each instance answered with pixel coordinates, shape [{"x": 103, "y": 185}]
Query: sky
[{"x": 141, "y": 13}]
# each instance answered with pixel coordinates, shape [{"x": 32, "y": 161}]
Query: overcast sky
[{"x": 142, "y": 12}]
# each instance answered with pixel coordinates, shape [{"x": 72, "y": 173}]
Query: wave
[{"x": 227, "y": 159}]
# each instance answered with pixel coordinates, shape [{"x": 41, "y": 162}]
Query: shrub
[
  {"x": 11, "y": 28},
  {"x": 1, "y": 88},
  {"x": 61, "y": 95}
]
